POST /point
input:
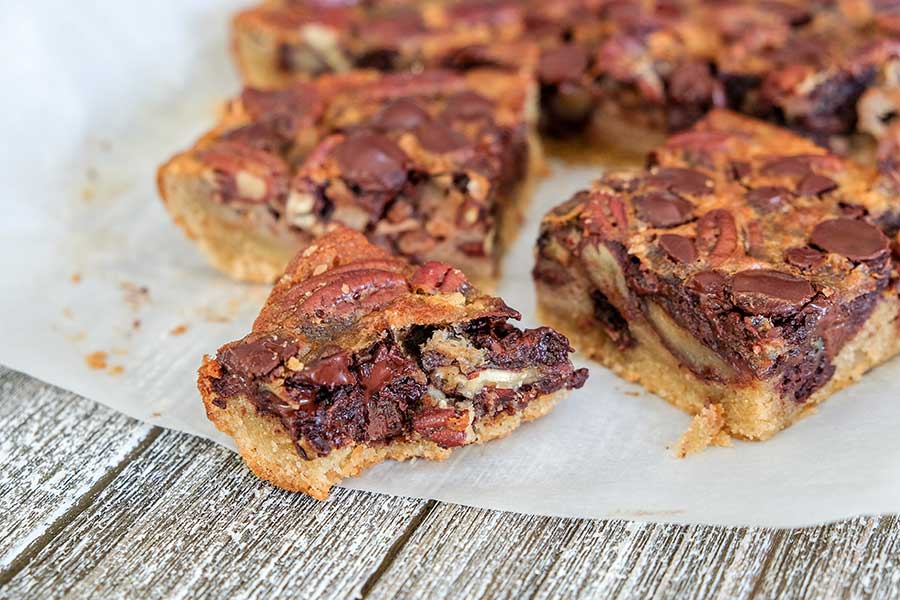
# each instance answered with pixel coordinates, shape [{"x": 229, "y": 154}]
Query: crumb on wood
[
  {"x": 96, "y": 360},
  {"x": 75, "y": 278},
  {"x": 179, "y": 329},
  {"x": 706, "y": 429}
]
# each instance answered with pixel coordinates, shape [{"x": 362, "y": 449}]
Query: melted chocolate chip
[
  {"x": 708, "y": 282},
  {"x": 815, "y": 184},
  {"x": 768, "y": 199},
  {"x": 565, "y": 63},
  {"x": 804, "y": 258},
  {"x": 787, "y": 166},
  {"x": 331, "y": 371},
  {"x": 856, "y": 240},
  {"x": 681, "y": 181},
  {"x": 401, "y": 115},
  {"x": 770, "y": 293},
  {"x": 468, "y": 106},
  {"x": 663, "y": 209},
  {"x": 257, "y": 354},
  {"x": 372, "y": 161},
  {"x": 439, "y": 138},
  {"x": 680, "y": 248}
]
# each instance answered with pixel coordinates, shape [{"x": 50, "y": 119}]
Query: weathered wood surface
[
  {"x": 95, "y": 504},
  {"x": 56, "y": 450}
]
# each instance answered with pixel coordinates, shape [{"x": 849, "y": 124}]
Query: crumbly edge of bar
[
  {"x": 228, "y": 240},
  {"x": 752, "y": 412},
  {"x": 271, "y": 455}
]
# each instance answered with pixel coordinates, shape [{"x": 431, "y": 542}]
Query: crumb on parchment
[
  {"x": 96, "y": 360},
  {"x": 706, "y": 430},
  {"x": 179, "y": 329},
  {"x": 75, "y": 278}
]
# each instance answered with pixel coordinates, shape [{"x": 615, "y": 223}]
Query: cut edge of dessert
[
  {"x": 235, "y": 193},
  {"x": 359, "y": 357},
  {"x": 594, "y": 282}
]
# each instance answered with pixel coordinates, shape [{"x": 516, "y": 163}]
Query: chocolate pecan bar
[
  {"x": 359, "y": 357},
  {"x": 617, "y": 73},
  {"x": 430, "y": 165},
  {"x": 747, "y": 273},
  {"x": 280, "y": 40}
]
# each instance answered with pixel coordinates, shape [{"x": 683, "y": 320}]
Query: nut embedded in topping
[
  {"x": 434, "y": 276},
  {"x": 444, "y": 426},
  {"x": 717, "y": 235}
]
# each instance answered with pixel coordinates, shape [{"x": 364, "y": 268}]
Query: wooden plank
[
  {"x": 856, "y": 558},
  {"x": 56, "y": 451},
  {"x": 187, "y": 519},
  {"x": 466, "y": 552}
]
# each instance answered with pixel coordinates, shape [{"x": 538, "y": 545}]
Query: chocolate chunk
[
  {"x": 663, "y": 209},
  {"x": 257, "y": 354},
  {"x": 681, "y": 181},
  {"x": 331, "y": 371},
  {"x": 770, "y": 293},
  {"x": 372, "y": 161},
  {"x": 468, "y": 106},
  {"x": 680, "y": 248},
  {"x": 401, "y": 115},
  {"x": 815, "y": 184},
  {"x": 440, "y": 137},
  {"x": 708, "y": 282},
  {"x": 787, "y": 166},
  {"x": 768, "y": 199},
  {"x": 565, "y": 63},
  {"x": 804, "y": 258},
  {"x": 856, "y": 240}
]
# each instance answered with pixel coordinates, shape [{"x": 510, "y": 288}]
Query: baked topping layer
[
  {"x": 750, "y": 252},
  {"x": 824, "y": 68},
  {"x": 424, "y": 164},
  {"x": 357, "y": 347}
]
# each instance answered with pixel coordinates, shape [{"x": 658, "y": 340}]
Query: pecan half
[
  {"x": 604, "y": 214},
  {"x": 717, "y": 235},
  {"x": 434, "y": 277},
  {"x": 446, "y": 427}
]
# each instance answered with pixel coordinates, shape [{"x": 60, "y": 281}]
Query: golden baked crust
[
  {"x": 746, "y": 267},
  {"x": 433, "y": 166},
  {"x": 359, "y": 357}
]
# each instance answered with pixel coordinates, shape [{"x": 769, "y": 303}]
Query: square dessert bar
[
  {"x": 359, "y": 357},
  {"x": 746, "y": 270},
  {"x": 619, "y": 74},
  {"x": 430, "y": 165},
  {"x": 281, "y": 40}
]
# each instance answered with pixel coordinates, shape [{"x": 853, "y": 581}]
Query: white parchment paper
[{"x": 96, "y": 95}]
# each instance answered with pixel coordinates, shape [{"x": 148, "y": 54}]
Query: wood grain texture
[
  {"x": 104, "y": 506},
  {"x": 467, "y": 552},
  {"x": 56, "y": 450},
  {"x": 187, "y": 519}
]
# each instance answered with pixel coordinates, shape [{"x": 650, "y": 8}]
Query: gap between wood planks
[{"x": 22, "y": 560}]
